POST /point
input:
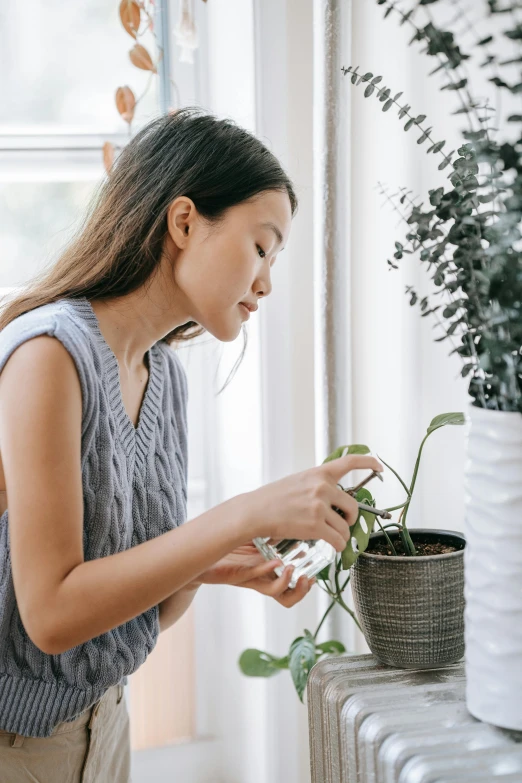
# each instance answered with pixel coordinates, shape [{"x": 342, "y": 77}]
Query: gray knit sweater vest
[{"x": 134, "y": 488}]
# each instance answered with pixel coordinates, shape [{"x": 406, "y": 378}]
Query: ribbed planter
[
  {"x": 493, "y": 567},
  {"x": 411, "y": 609}
]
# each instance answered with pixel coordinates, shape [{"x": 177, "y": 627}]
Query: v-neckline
[{"x": 136, "y": 440}]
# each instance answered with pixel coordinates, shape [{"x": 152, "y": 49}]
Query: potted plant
[
  {"x": 407, "y": 587},
  {"x": 468, "y": 236}
]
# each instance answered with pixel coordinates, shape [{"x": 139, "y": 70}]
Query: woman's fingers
[
  {"x": 280, "y": 584},
  {"x": 291, "y": 597},
  {"x": 337, "y": 468},
  {"x": 346, "y": 503},
  {"x": 265, "y": 568}
]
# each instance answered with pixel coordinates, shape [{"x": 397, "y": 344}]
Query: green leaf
[
  {"x": 365, "y": 78},
  {"x": 474, "y": 135},
  {"x": 436, "y": 196},
  {"x": 387, "y": 105},
  {"x": 455, "y": 85},
  {"x": 446, "y": 161},
  {"x": 324, "y": 575},
  {"x": 301, "y": 659},
  {"x": 361, "y": 531},
  {"x": 446, "y": 418},
  {"x": 333, "y": 647},
  {"x": 409, "y": 124},
  {"x": 355, "y": 448},
  {"x": 437, "y": 146},
  {"x": 256, "y": 663},
  {"x": 368, "y": 91},
  {"x": 424, "y": 136}
]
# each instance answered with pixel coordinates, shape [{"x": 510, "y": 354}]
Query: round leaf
[
  {"x": 342, "y": 451},
  {"x": 256, "y": 663},
  {"x": 141, "y": 58},
  {"x": 125, "y": 103},
  {"x": 333, "y": 647},
  {"x": 130, "y": 16},
  {"x": 446, "y": 418},
  {"x": 108, "y": 156},
  {"x": 301, "y": 657}
]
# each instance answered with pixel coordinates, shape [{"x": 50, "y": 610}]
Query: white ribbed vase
[{"x": 493, "y": 567}]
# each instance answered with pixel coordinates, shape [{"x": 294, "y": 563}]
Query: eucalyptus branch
[
  {"x": 462, "y": 73},
  {"x": 420, "y": 245},
  {"x": 467, "y": 334},
  {"x": 472, "y": 272},
  {"x": 421, "y": 35},
  {"x": 384, "y": 95},
  {"x": 482, "y": 42}
]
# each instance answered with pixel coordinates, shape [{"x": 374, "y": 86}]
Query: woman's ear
[{"x": 179, "y": 216}]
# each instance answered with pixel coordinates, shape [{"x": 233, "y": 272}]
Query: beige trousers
[{"x": 93, "y": 748}]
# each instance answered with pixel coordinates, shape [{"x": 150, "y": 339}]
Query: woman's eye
[{"x": 263, "y": 252}]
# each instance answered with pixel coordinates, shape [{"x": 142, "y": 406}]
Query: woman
[{"x": 94, "y": 557}]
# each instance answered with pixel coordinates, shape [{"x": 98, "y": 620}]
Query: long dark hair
[{"x": 188, "y": 152}]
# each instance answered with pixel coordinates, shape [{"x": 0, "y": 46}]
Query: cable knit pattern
[{"x": 134, "y": 488}]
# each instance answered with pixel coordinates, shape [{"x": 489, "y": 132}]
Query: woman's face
[{"x": 216, "y": 268}]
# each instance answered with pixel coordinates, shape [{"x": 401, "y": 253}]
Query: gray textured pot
[{"x": 411, "y": 609}]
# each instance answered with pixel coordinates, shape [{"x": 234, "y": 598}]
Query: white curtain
[{"x": 399, "y": 377}]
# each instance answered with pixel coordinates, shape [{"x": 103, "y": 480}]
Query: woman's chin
[{"x": 225, "y": 333}]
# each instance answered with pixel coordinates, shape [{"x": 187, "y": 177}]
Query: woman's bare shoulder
[{"x": 43, "y": 357}]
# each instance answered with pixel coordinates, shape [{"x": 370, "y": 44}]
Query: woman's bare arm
[
  {"x": 175, "y": 606},
  {"x": 64, "y": 601}
]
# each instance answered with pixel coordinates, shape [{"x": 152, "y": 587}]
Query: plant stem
[
  {"x": 414, "y": 477},
  {"x": 407, "y": 542},
  {"x": 337, "y": 598},
  {"x": 325, "y": 615},
  {"x": 347, "y": 609},
  {"x": 388, "y": 539},
  {"x": 396, "y": 508},
  {"x": 395, "y": 474}
]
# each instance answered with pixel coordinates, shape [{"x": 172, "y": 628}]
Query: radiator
[{"x": 371, "y": 723}]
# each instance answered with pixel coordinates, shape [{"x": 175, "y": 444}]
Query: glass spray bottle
[{"x": 309, "y": 557}]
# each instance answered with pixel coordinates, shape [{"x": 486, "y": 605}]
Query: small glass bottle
[{"x": 307, "y": 557}]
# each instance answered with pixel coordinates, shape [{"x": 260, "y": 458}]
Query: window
[
  {"x": 57, "y": 61},
  {"x": 61, "y": 65}
]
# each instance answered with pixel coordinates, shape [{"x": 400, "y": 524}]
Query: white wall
[
  {"x": 402, "y": 378},
  {"x": 261, "y": 70},
  {"x": 260, "y": 64}
]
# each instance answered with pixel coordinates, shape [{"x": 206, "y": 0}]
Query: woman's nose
[{"x": 263, "y": 286}]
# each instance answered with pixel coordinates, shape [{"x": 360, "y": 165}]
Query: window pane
[
  {"x": 36, "y": 220},
  {"x": 61, "y": 64}
]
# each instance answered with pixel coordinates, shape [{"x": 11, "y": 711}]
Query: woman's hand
[
  {"x": 301, "y": 505},
  {"x": 245, "y": 566}
]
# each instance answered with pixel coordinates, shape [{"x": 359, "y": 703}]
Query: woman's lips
[{"x": 245, "y": 309}]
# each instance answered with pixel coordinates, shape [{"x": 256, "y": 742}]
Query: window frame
[{"x": 51, "y": 155}]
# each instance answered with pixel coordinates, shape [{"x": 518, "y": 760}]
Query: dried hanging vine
[{"x": 137, "y": 19}]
